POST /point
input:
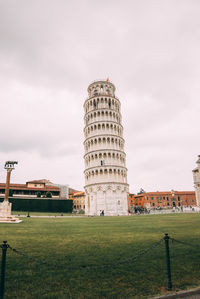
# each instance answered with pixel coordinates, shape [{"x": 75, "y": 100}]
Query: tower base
[
  {"x": 109, "y": 199},
  {"x": 5, "y": 213}
]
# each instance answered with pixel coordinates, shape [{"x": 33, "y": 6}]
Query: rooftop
[{"x": 42, "y": 181}]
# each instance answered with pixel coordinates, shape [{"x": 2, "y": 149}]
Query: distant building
[
  {"x": 64, "y": 190},
  {"x": 167, "y": 199},
  {"x": 79, "y": 200},
  {"x": 196, "y": 176},
  {"x": 131, "y": 201},
  {"x": 36, "y": 187},
  {"x": 71, "y": 193}
]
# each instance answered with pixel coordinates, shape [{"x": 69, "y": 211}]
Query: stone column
[
  {"x": 5, "y": 206},
  {"x": 7, "y": 184}
]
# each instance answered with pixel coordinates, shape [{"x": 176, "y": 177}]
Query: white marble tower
[
  {"x": 196, "y": 176},
  {"x": 105, "y": 172}
]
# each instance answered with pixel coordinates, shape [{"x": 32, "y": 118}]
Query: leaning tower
[{"x": 105, "y": 172}]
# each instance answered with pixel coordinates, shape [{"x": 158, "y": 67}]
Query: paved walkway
[
  {"x": 49, "y": 216},
  {"x": 188, "y": 294}
]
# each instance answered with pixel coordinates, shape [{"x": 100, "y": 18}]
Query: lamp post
[{"x": 9, "y": 166}]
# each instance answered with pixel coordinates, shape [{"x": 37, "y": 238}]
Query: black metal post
[
  {"x": 3, "y": 268},
  {"x": 166, "y": 238},
  {"x": 28, "y": 215}
]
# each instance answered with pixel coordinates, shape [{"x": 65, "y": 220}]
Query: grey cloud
[{"x": 49, "y": 53}]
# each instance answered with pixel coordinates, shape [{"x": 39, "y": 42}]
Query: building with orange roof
[
  {"x": 164, "y": 199},
  {"x": 79, "y": 200},
  {"x": 131, "y": 200},
  {"x": 36, "y": 187}
]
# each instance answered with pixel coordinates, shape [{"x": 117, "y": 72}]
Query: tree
[
  {"x": 139, "y": 209},
  {"x": 10, "y": 192},
  {"x": 39, "y": 194},
  {"x": 48, "y": 194},
  {"x": 141, "y": 191}
]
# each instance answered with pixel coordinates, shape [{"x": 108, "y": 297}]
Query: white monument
[
  {"x": 196, "y": 176},
  {"x": 106, "y": 188},
  {"x": 5, "y": 206}
]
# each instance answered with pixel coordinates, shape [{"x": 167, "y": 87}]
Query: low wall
[{"x": 41, "y": 205}]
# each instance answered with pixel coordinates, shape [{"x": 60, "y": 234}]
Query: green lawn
[
  {"x": 60, "y": 246},
  {"x": 18, "y": 213}
]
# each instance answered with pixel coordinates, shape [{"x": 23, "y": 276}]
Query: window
[
  {"x": 102, "y": 163},
  {"x": 179, "y": 198}
]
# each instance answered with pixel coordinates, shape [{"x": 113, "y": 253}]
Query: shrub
[
  {"x": 39, "y": 194},
  {"x": 140, "y": 209},
  {"x": 10, "y": 192},
  {"x": 48, "y": 194}
]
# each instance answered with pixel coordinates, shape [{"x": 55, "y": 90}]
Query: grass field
[
  {"x": 19, "y": 213},
  {"x": 61, "y": 247}
]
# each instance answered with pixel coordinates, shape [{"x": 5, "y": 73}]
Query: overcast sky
[{"x": 50, "y": 51}]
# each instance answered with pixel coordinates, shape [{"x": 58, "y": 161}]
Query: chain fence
[
  {"x": 184, "y": 243},
  {"x": 132, "y": 259},
  {"x": 114, "y": 264}
]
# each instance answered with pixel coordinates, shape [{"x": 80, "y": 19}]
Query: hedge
[{"x": 41, "y": 205}]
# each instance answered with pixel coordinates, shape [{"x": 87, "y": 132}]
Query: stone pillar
[
  {"x": 7, "y": 184},
  {"x": 5, "y": 206}
]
